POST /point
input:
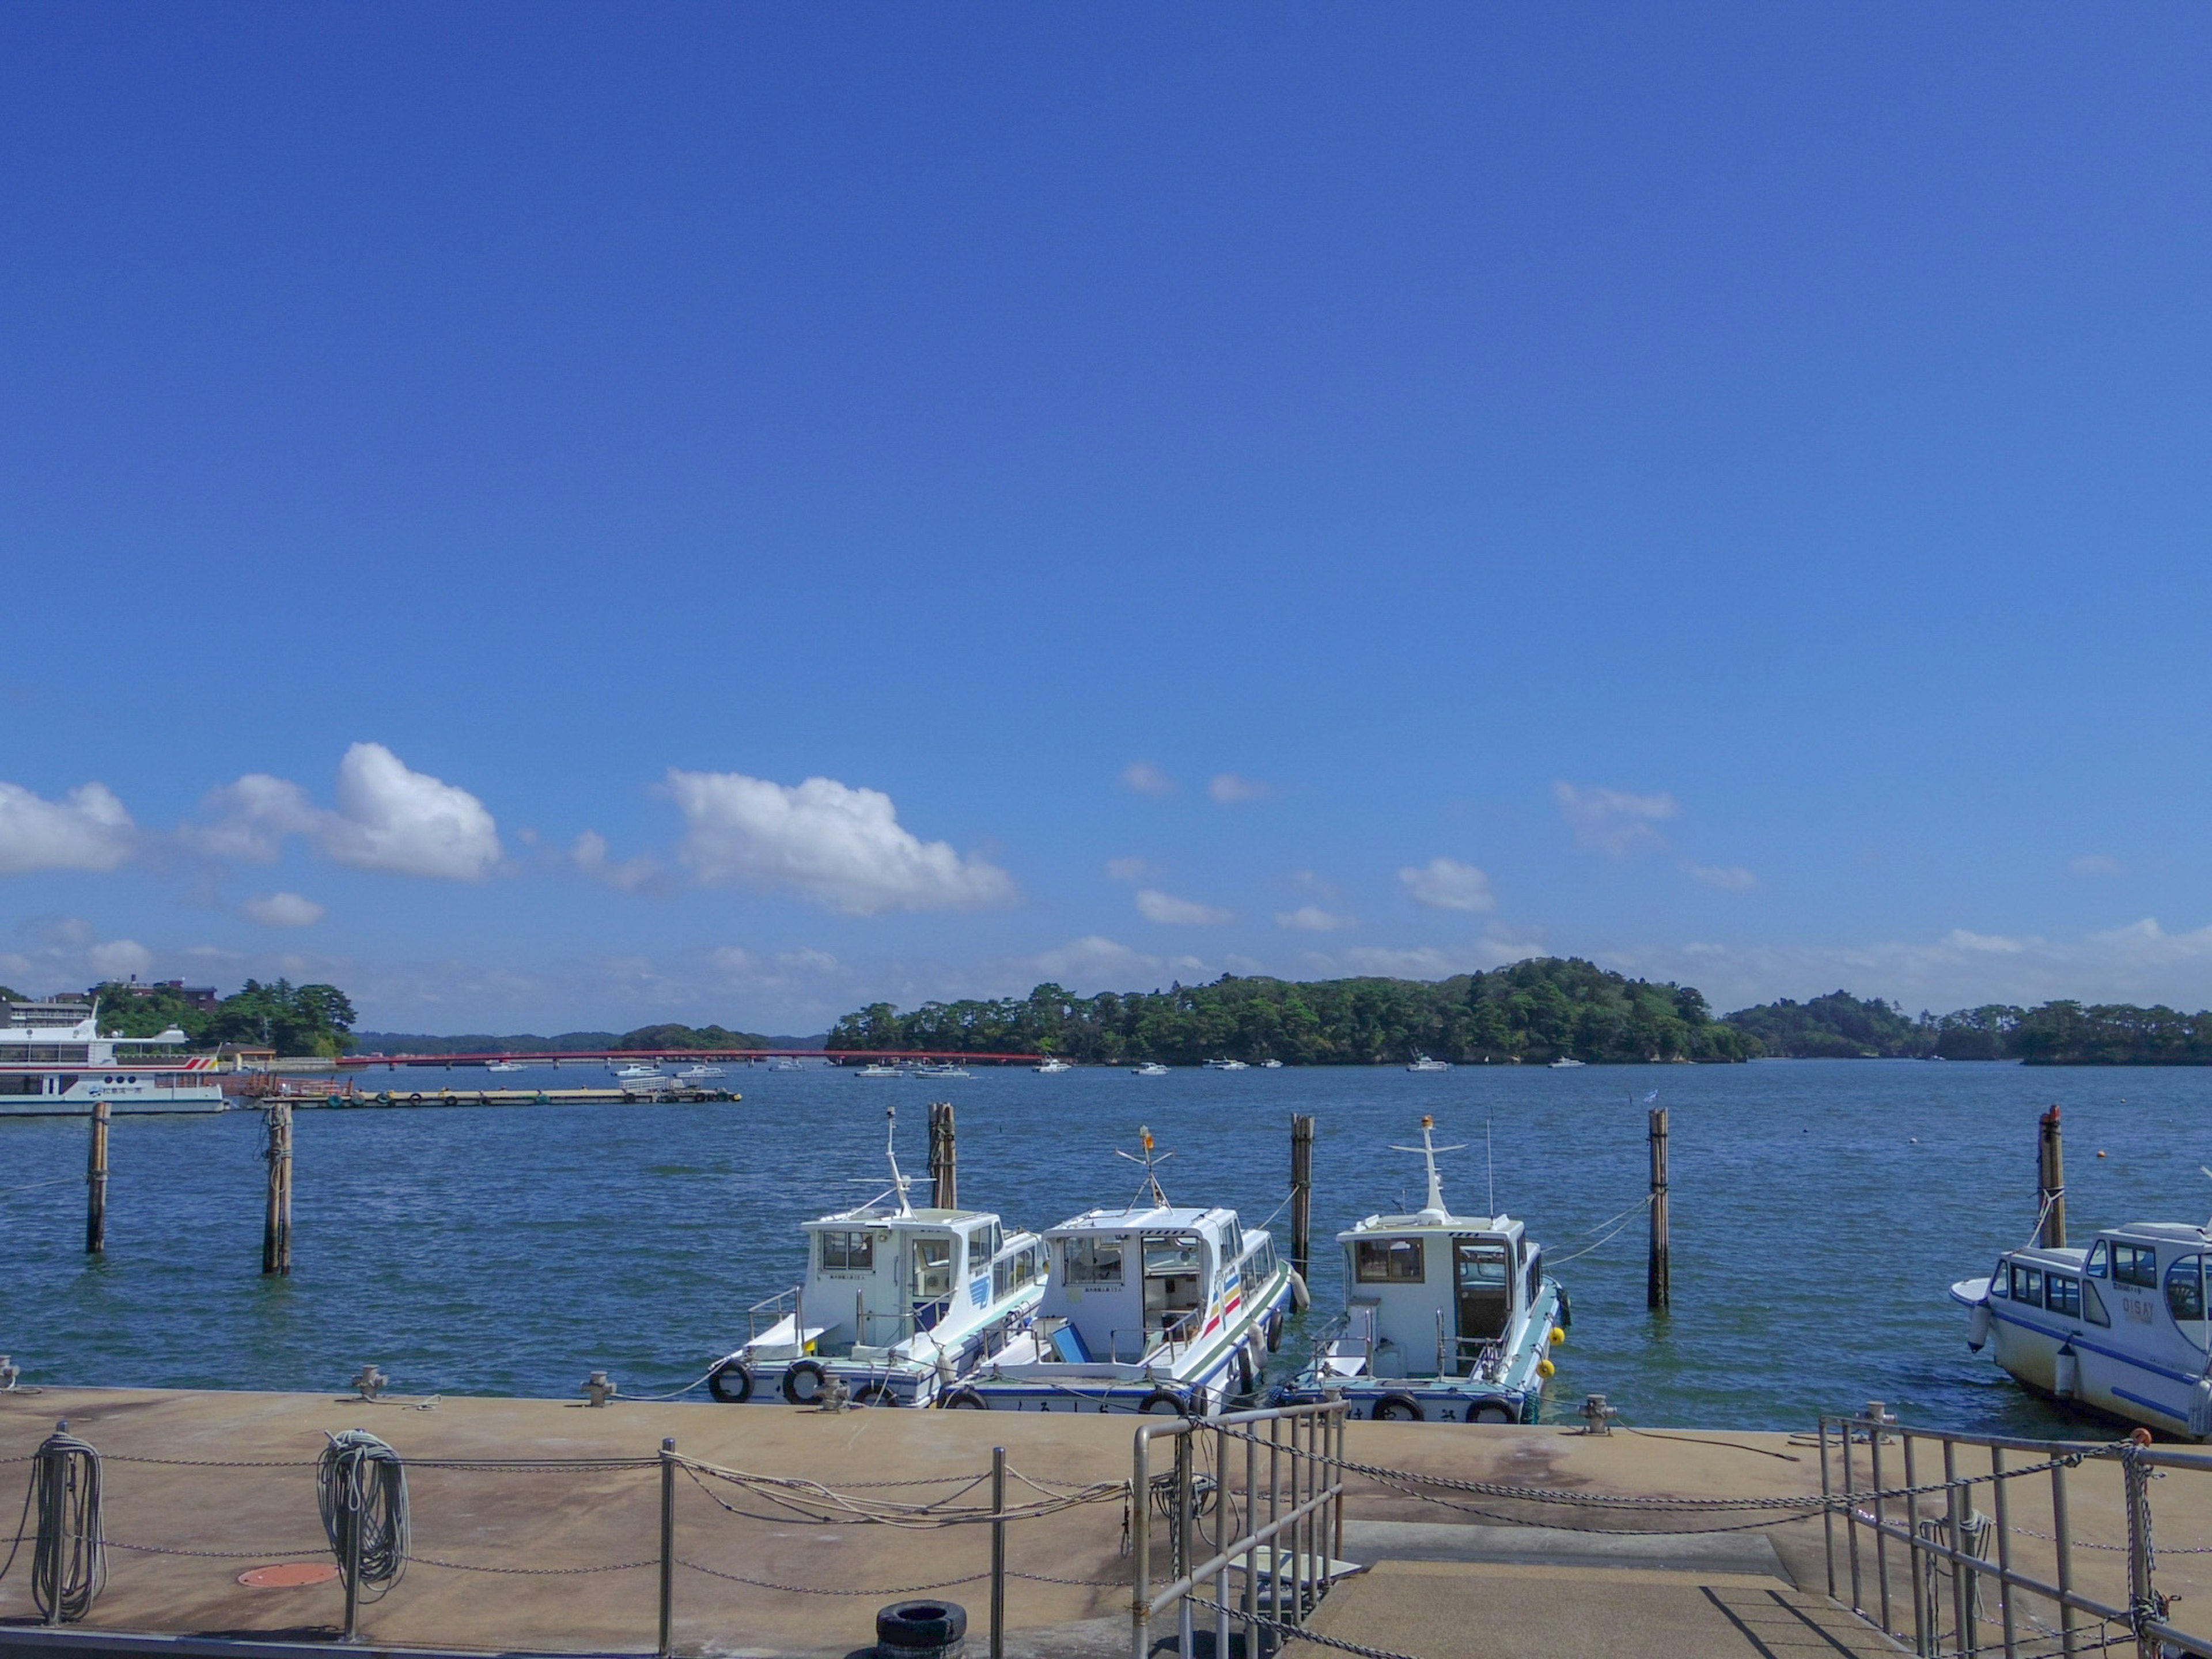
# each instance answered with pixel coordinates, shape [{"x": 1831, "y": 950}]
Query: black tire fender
[
  {"x": 1398, "y": 1408},
  {"x": 1491, "y": 1411},
  {"x": 730, "y": 1383},
  {"x": 806, "y": 1368},
  {"x": 963, "y": 1399},
  {"x": 925, "y": 1624},
  {"x": 875, "y": 1394},
  {"x": 1274, "y": 1330},
  {"x": 1165, "y": 1397}
]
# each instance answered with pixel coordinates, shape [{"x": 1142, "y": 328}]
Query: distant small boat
[
  {"x": 700, "y": 1073},
  {"x": 503, "y": 1065},
  {"x": 1052, "y": 1067},
  {"x": 1150, "y": 1068},
  {"x": 941, "y": 1068},
  {"x": 641, "y": 1074},
  {"x": 1226, "y": 1066},
  {"x": 1422, "y": 1063},
  {"x": 1565, "y": 1063},
  {"x": 1271, "y": 1065},
  {"x": 877, "y": 1068}
]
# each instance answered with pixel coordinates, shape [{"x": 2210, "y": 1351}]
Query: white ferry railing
[
  {"x": 1280, "y": 1527},
  {"x": 1963, "y": 1568}
]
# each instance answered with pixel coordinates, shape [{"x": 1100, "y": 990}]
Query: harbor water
[{"x": 1820, "y": 1211}]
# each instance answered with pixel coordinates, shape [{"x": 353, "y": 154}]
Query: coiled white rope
[{"x": 361, "y": 1486}]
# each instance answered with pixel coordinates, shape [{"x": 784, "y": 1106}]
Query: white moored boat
[
  {"x": 879, "y": 1068},
  {"x": 1151, "y": 1307},
  {"x": 1566, "y": 1063},
  {"x": 1226, "y": 1066},
  {"x": 1446, "y": 1319},
  {"x": 1053, "y": 1067},
  {"x": 1422, "y": 1063},
  {"x": 503, "y": 1066},
  {"x": 55, "y": 1063},
  {"x": 898, "y": 1304},
  {"x": 2117, "y": 1330},
  {"x": 640, "y": 1074},
  {"x": 1150, "y": 1068}
]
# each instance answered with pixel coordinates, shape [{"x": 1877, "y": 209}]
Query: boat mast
[{"x": 1433, "y": 1213}]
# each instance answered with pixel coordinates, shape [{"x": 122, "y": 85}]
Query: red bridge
[{"x": 586, "y": 1056}]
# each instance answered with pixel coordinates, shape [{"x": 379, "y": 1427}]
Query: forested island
[
  {"x": 293, "y": 1019},
  {"x": 528, "y": 1042},
  {"x": 2064, "y": 1033},
  {"x": 1532, "y": 1011}
]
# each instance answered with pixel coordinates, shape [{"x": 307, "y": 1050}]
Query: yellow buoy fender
[
  {"x": 1558, "y": 1337},
  {"x": 1545, "y": 1368}
]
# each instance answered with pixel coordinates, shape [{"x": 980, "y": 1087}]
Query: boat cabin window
[
  {"x": 1535, "y": 1280},
  {"x": 1389, "y": 1262},
  {"x": 1999, "y": 1279},
  {"x": 2135, "y": 1264},
  {"x": 1263, "y": 1259},
  {"x": 2028, "y": 1285},
  {"x": 848, "y": 1253},
  {"x": 982, "y": 1244},
  {"x": 932, "y": 1266},
  {"x": 1485, "y": 1284},
  {"x": 1171, "y": 1256},
  {"x": 1233, "y": 1241},
  {"x": 2094, "y": 1267},
  {"x": 2184, "y": 1296},
  {"x": 1173, "y": 1282},
  {"x": 2093, "y": 1304},
  {"x": 1093, "y": 1260},
  {"x": 2063, "y": 1295}
]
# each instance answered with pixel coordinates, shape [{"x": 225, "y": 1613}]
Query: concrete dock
[{"x": 202, "y": 1487}]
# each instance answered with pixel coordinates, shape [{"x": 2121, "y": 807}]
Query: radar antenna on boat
[
  {"x": 899, "y": 1182},
  {"x": 1151, "y": 1179},
  {"x": 1434, "y": 1211}
]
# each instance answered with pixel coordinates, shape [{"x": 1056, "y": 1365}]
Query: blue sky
[{"x": 1721, "y": 490}]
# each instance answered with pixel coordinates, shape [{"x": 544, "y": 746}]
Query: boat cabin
[
  {"x": 1428, "y": 1293},
  {"x": 875, "y": 1276},
  {"x": 1130, "y": 1284}
]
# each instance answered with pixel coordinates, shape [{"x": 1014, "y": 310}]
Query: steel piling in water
[
  {"x": 95, "y": 1183},
  {"x": 1302, "y": 1143},
  {"x": 1658, "y": 1278}
]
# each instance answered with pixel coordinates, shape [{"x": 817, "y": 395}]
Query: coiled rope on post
[
  {"x": 68, "y": 1554},
  {"x": 361, "y": 1486}
]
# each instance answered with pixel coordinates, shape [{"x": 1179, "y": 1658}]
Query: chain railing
[
  {"x": 1972, "y": 1585},
  {"x": 1270, "y": 1510}
]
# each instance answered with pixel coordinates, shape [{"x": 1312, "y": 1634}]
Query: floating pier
[{"x": 344, "y": 1095}]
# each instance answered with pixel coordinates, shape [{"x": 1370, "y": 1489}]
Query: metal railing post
[
  {"x": 1184, "y": 1518},
  {"x": 1274, "y": 1518},
  {"x": 1251, "y": 1555},
  {"x": 999, "y": 1553},
  {"x": 2001, "y": 1510},
  {"x": 667, "y": 1547},
  {"x": 1827, "y": 1513},
  {"x": 1881, "y": 1531},
  {"x": 1851, "y": 1519},
  {"x": 1140, "y": 1546},
  {"x": 2061, "y": 1532},
  {"x": 1966, "y": 1583},
  {"x": 350, "y": 1494},
  {"x": 2142, "y": 1601},
  {"x": 1221, "y": 1537},
  {"x": 1927, "y": 1621}
]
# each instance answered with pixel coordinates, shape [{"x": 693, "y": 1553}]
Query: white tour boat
[
  {"x": 1053, "y": 1067},
  {"x": 640, "y": 1074},
  {"x": 700, "y": 1073},
  {"x": 1422, "y": 1063},
  {"x": 940, "y": 1068},
  {"x": 1150, "y": 1068},
  {"x": 2117, "y": 1330},
  {"x": 1271, "y": 1065},
  {"x": 881, "y": 1068},
  {"x": 1566, "y": 1063},
  {"x": 1151, "y": 1307},
  {"x": 503, "y": 1066},
  {"x": 1226, "y": 1066},
  {"x": 55, "y": 1063},
  {"x": 1446, "y": 1319},
  {"x": 898, "y": 1304}
]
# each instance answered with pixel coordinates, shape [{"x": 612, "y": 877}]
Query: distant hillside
[
  {"x": 1531, "y": 1012},
  {"x": 1838, "y": 1026},
  {"x": 528, "y": 1042}
]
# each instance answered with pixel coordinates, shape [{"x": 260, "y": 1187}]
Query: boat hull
[
  {"x": 2083, "y": 1368},
  {"x": 1514, "y": 1395}
]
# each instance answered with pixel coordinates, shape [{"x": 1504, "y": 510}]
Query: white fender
[
  {"x": 1978, "y": 1326},
  {"x": 1301, "y": 1297},
  {"x": 2066, "y": 1381},
  {"x": 2200, "y": 1408}
]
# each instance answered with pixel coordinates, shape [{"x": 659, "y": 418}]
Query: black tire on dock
[
  {"x": 963, "y": 1399},
  {"x": 1398, "y": 1408},
  {"x": 802, "y": 1382},
  {"x": 1160, "y": 1400},
  {"x": 732, "y": 1382},
  {"x": 921, "y": 1626}
]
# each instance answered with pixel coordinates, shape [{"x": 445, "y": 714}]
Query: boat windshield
[
  {"x": 2184, "y": 1296},
  {"x": 932, "y": 1266},
  {"x": 1170, "y": 1255}
]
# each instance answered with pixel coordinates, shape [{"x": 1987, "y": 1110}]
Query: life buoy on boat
[
  {"x": 802, "y": 1382},
  {"x": 963, "y": 1399},
  {"x": 1161, "y": 1400},
  {"x": 1398, "y": 1408},
  {"x": 732, "y": 1382}
]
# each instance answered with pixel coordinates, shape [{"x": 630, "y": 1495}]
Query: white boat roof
[
  {"x": 1430, "y": 1221},
  {"x": 2179, "y": 1232},
  {"x": 874, "y": 1216},
  {"x": 1150, "y": 1218}
]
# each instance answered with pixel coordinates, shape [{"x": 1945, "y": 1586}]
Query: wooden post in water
[
  {"x": 1658, "y": 1279},
  {"x": 277, "y": 1225},
  {"x": 96, "y": 1184},
  {"x": 1302, "y": 1139},
  {"x": 2051, "y": 1183},
  {"x": 944, "y": 1157}
]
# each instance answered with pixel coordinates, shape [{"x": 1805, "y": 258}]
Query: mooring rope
[{"x": 361, "y": 1486}]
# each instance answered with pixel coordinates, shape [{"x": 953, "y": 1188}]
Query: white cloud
[
  {"x": 1128, "y": 869},
  {"x": 1990, "y": 944},
  {"x": 1614, "y": 821},
  {"x": 120, "y": 958},
  {"x": 1227, "y": 789},
  {"x": 1729, "y": 878},
  {"x": 1312, "y": 919},
  {"x": 2094, "y": 864},
  {"x": 282, "y": 910},
  {"x": 388, "y": 818},
  {"x": 1433, "y": 961},
  {"x": 632, "y": 875},
  {"x": 1156, "y": 906},
  {"x": 1448, "y": 885},
  {"x": 1146, "y": 779},
  {"x": 837, "y": 845},
  {"x": 86, "y": 830},
  {"x": 1095, "y": 962}
]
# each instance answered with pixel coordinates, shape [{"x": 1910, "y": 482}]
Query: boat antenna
[
  {"x": 891, "y": 1150},
  {"x": 1433, "y": 1211},
  {"x": 1151, "y": 1179}
]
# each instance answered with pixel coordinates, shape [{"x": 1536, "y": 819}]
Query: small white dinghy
[{"x": 898, "y": 1304}]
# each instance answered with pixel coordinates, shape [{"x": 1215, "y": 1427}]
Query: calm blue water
[{"x": 513, "y": 1249}]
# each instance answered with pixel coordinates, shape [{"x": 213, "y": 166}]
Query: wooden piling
[
  {"x": 1658, "y": 1278},
  {"x": 2050, "y": 1183},
  {"x": 944, "y": 1157},
  {"x": 1302, "y": 1141},
  {"x": 276, "y": 1223},
  {"x": 96, "y": 1184}
]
